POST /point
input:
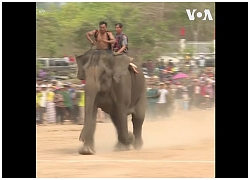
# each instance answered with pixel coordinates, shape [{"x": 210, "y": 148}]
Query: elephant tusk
[{"x": 132, "y": 64}]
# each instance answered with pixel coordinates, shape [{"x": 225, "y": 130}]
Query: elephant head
[
  {"x": 99, "y": 68},
  {"x": 104, "y": 61}
]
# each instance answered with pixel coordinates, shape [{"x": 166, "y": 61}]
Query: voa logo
[
  {"x": 41, "y": 11},
  {"x": 206, "y": 14}
]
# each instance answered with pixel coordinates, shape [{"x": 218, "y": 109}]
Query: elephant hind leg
[
  {"x": 125, "y": 138},
  {"x": 137, "y": 120}
]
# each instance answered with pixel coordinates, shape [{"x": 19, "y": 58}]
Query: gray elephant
[{"x": 118, "y": 91}]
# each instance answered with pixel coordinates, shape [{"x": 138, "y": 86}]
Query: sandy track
[{"x": 181, "y": 146}]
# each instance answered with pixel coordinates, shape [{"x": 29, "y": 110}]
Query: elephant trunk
[{"x": 92, "y": 87}]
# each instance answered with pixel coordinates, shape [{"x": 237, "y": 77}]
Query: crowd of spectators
[
  {"x": 193, "y": 93},
  {"x": 166, "y": 94},
  {"x": 57, "y": 102}
]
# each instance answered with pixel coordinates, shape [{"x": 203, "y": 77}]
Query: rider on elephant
[
  {"x": 104, "y": 40},
  {"x": 121, "y": 44}
]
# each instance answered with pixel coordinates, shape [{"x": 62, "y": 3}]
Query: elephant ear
[
  {"x": 81, "y": 61},
  {"x": 120, "y": 68}
]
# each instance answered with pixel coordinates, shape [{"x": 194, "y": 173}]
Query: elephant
[{"x": 111, "y": 85}]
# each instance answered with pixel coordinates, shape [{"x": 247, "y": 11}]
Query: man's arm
[
  {"x": 124, "y": 44},
  {"x": 154, "y": 96},
  {"x": 88, "y": 34},
  {"x": 112, "y": 39}
]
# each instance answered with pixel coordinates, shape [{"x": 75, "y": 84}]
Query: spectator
[
  {"x": 42, "y": 74},
  {"x": 161, "y": 65},
  {"x": 178, "y": 96},
  {"x": 74, "y": 107},
  {"x": 169, "y": 75},
  {"x": 185, "y": 100},
  {"x": 202, "y": 62},
  {"x": 192, "y": 65},
  {"x": 202, "y": 92},
  {"x": 81, "y": 103},
  {"x": 213, "y": 85},
  {"x": 197, "y": 94},
  {"x": 144, "y": 65},
  {"x": 37, "y": 103},
  {"x": 150, "y": 67},
  {"x": 170, "y": 63},
  {"x": 190, "y": 89},
  {"x": 42, "y": 106},
  {"x": 210, "y": 92},
  {"x": 210, "y": 73},
  {"x": 170, "y": 99},
  {"x": 59, "y": 105},
  {"x": 54, "y": 83},
  {"x": 67, "y": 100},
  {"x": 50, "y": 106},
  {"x": 152, "y": 96},
  {"x": 162, "y": 101}
]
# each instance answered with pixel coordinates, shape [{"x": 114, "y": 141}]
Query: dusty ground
[{"x": 181, "y": 146}]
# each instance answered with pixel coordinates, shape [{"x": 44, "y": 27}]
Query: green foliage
[
  {"x": 38, "y": 66},
  {"x": 211, "y": 48},
  {"x": 189, "y": 51},
  {"x": 61, "y": 28}
]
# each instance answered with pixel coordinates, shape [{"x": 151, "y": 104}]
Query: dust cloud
[{"x": 183, "y": 128}]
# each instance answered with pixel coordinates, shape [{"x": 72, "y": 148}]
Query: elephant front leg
[{"x": 87, "y": 136}]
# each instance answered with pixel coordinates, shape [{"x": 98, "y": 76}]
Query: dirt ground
[{"x": 178, "y": 147}]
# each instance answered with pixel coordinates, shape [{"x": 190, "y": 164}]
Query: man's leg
[
  {"x": 82, "y": 114},
  {"x": 76, "y": 113},
  {"x": 57, "y": 114},
  {"x": 61, "y": 114},
  {"x": 37, "y": 116},
  {"x": 41, "y": 112},
  {"x": 68, "y": 115},
  {"x": 131, "y": 64}
]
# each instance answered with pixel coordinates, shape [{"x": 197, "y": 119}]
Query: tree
[
  {"x": 48, "y": 39},
  {"x": 61, "y": 29},
  {"x": 38, "y": 66}
]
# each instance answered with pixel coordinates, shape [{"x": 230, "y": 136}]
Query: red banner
[{"x": 182, "y": 32}]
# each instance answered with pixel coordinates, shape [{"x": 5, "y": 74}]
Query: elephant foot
[
  {"x": 86, "y": 150},
  {"x": 138, "y": 144},
  {"x": 131, "y": 137},
  {"x": 125, "y": 147},
  {"x": 121, "y": 147}
]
